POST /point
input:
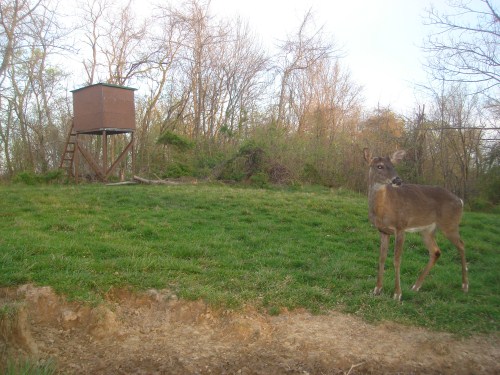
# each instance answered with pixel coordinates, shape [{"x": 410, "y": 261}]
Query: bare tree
[
  {"x": 92, "y": 15},
  {"x": 115, "y": 39},
  {"x": 222, "y": 67},
  {"x": 297, "y": 54},
  {"x": 455, "y": 143},
  {"x": 30, "y": 81},
  {"x": 122, "y": 46},
  {"x": 328, "y": 98},
  {"x": 45, "y": 80},
  {"x": 463, "y": 62},
  {"x": 164, "y": 41},
  {"x": 465, "y": 47},
  {"x": 417, "y": 139},
  {"x": 244, "y": 71},
  {"x": 383, "y": 130},
  {"x": 14, "y": 18}
]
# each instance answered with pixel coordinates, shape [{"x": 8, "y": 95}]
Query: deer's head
[{"x": 382, "y": 169}]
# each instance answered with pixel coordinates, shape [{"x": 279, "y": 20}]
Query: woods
[{"x": 289, "y": 116}]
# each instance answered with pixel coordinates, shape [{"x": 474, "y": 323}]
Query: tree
[
  {"x": 14, "y": 19},
  {"x": 92, "y": 14},
  {"x": 31, "y": 106},
  {"x": 417, "y": 129},
  {"x": 464, "y": 65},
  {"x": 465, "y": 47},
  {"x": 122, "y": 46},
  {"x": 456, "y": 141},
  {"x": 383, "y": 131},
  {"x": 116, "y": 42},
  {"x": 299, "y": 53},
  {"x": 221, "y": 68}
]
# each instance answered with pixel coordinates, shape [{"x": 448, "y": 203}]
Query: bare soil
[{"x": 155, "y": 333}]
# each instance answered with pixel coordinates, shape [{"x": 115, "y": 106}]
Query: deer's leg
[
  {"x": 454, "y": 237},
  {"x": 398, "y": 251},
  {"x": 434, "y": 254},
  {"x": 384, "y": 245}
]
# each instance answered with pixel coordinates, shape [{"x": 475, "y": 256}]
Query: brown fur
[{"x": 395, "y": 209}]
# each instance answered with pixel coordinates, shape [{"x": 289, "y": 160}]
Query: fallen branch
[
  {"x": 353, "y": 367},
  {"x": 155, "y": 182},
  {"x": 122, "y": 183}
]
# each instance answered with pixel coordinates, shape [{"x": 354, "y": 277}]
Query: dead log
[
  {"x": 122, "y": 183},
  {"x": 155, "y": 182}
]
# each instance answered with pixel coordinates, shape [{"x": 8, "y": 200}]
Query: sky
[{"x": 381, "y": 39}]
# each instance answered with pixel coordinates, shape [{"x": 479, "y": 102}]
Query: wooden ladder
[{"x": 69, "y": 153}]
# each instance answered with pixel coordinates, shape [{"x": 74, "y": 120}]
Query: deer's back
[{"x": 414, "y": 207}]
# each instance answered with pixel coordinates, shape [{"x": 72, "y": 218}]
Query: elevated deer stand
[{"x": 99, "y": 110}]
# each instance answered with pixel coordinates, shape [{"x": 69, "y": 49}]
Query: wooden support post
[
  {"x": 120, "y": 158},
  {"x": 133, "y": 155},
  {"x": 104, "y": 154},
  {"x": 90, "y": 160},
  {"x": 100, "y": 168},
  {"x": 76, "y": 161}
]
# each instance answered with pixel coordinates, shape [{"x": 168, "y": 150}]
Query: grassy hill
[{"x": 311, "y": 248}]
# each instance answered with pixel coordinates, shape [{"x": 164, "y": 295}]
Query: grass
[
  {"x": 232, "y": 246},
  {"x": 29, "y": 367}
]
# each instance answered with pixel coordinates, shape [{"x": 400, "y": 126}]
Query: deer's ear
[
  {"x": 398, "y": 156},
  {"x": 368, "y": 155}
]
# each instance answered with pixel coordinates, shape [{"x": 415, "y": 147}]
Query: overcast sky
[{"x": 381, "y": 38}]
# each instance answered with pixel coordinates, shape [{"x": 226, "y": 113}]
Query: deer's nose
[{"x": 397, "y": 181}]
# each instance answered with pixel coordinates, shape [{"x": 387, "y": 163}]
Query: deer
[{"x": 396, "y": 208}]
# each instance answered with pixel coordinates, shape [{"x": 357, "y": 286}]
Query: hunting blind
[{"x": 100, "y": 112}]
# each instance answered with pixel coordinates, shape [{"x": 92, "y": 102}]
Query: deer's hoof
[
  {"x": 377, "y": 291},
  {"x": 397, "y": 297},
  {"x": 415, "y": 288},
  {"x": 465, "y": 287}
]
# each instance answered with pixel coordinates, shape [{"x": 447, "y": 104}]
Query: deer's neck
[
  {"x": 376, "y": 199},
  {"x": 373, "y": 189}
]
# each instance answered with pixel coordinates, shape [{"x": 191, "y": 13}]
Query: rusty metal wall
[{"x": 102, "y": 107}]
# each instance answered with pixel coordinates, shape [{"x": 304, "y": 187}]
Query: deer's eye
[{"x": 380, "y": 167}]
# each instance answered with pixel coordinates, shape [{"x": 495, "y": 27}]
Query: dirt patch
[{"x": 154, "y": 333}]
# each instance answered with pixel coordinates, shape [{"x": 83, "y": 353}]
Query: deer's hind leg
[
  {"x": 455, "y": 239},
  {"x": 398, "y": 251},
  {"x": 434, "y": 253}
]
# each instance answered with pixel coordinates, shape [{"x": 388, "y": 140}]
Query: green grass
[
  {"x": 29, "y": 367},
  {"x": 232, "y": 246}
]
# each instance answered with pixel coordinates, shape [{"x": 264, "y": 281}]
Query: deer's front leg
[
  {"x": 398, "y": 251},
  {"x": 384, "y": 245}
]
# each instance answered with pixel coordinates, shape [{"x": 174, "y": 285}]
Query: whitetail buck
[{"x": 396, "y": 208}]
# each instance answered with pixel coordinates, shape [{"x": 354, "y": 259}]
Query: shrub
[
  {"x": 30, "y": 178},
  {"x": 492, "y": 186},
  {"x": 27, "y": 178},
  {"x": 279, "y": 174},
  {"x": 249, "y": 161},
  {"x": 232, "y": 170},
  {"x": 52, "y": 176},
  {"x": 260, "y": 179},
  {"x": 178, "y": 141},
  {"x": 480, "y": 204},
  {"x": 311, "y": 175},
  {"x": 177, "y": 170}
]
